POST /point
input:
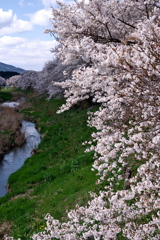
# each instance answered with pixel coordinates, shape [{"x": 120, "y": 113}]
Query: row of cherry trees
[
  {"x": 117, "y": 43},
  {"x": 42, "y": 81}
]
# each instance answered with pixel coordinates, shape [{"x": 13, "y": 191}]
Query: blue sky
[{"x": 22, "y": 41}]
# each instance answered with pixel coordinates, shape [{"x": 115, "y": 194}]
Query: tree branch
[
  {"x": 146, "y": 5},
  {"x": 124, "y": 22}
]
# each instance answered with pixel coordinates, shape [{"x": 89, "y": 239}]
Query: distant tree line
[
  {"x": 8, "y": 74},
  {"x": 46, "y": 81}
]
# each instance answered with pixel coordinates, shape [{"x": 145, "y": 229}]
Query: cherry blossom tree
[
  {"x": 2, "y": 82},
  {"x": 12, "y": 81},
  {"x": 117, "y": 44},
  {"x": 24, "y": 81}
]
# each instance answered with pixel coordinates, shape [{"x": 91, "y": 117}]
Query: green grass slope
[{"x": 54, "y": 179}]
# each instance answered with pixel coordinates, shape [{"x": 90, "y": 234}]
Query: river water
[{"x": 15, "y": 159}]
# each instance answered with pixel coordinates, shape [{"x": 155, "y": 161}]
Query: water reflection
[
  {"x": 15, "y": 159},
  {"x": 10, "y": 104}
]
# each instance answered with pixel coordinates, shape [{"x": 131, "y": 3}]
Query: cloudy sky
[{"x": 22, "y": 41}]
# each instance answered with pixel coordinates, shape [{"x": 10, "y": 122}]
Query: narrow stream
[{"x": 15, "y": 159}]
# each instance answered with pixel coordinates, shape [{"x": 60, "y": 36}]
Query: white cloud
[
  {"x": 5, "y": 17},
  {"x": 17, "y": 26},
  {"x": 11, "y": 41},
  {"x": 41, "y": 17},
  {"x": 25, "y": 53},
  {"x": 10, "y": 24}
]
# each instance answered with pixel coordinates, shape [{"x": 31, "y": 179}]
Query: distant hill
[{"x": 9, "y": 68}]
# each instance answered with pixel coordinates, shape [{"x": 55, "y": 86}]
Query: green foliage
[
  {"x": 5, "y": 96},
  {"x": 120, "y": 237}
]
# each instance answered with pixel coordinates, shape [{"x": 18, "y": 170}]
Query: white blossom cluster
[
  {"x": 118, "y": 43},
  {"x": 13, "y": 81}
]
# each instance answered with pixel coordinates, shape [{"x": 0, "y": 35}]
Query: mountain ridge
[{"x": 10, "y": 68}]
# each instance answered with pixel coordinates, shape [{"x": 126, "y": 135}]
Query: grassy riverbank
[{"x": 57, "y": 177}]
